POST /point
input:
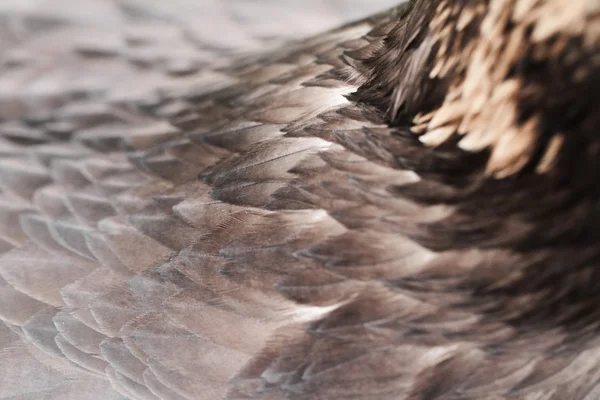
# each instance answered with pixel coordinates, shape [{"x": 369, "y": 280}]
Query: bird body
[{"x": 403, "y": 207}]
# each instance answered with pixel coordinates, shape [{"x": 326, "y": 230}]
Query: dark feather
[{"x": 403, "y": 207}]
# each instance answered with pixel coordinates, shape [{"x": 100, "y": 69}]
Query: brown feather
[{"x": 403, "y": 207}]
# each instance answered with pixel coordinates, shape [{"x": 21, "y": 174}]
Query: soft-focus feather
[{"x": 307, "y": 220}]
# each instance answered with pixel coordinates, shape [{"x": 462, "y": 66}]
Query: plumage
[{"x": 262, "y": 200}]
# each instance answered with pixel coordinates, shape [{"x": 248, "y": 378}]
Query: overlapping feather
[{"x": 174, "y": 231}]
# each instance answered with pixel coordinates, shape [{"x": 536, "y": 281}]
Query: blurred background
[{"x": 232, "y": 24}]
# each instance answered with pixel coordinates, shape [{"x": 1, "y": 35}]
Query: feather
[{"x": 197, "y": 201}]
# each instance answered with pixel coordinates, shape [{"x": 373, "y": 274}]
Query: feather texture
[{"x": 327, "y": 218}]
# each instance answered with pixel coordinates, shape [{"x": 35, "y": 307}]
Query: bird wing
[{"x": 181, "y": 223}]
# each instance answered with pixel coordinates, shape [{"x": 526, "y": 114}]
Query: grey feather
[{"x": 200, "y": 200}]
